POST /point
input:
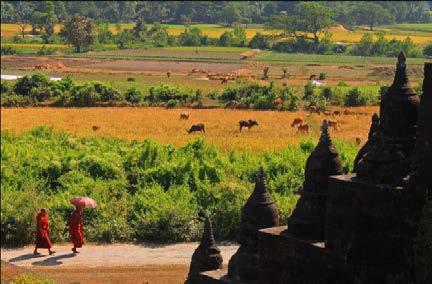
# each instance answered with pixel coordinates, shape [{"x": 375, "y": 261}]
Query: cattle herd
[{"x": 297, "y": 122}]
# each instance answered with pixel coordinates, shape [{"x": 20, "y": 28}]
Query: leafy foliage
[{"x": 145, "y": 191}]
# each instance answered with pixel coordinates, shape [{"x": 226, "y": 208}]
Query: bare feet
[
  {"x": 51, "y": 252},
  {"x": 36, "y": 253},
  {"x": 75, "y": 251}
]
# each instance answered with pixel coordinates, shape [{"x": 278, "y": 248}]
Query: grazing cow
[
  {"x": 312, "y": 77},
  {"x": 184, "y": 115},
  {"x": 358, "y": 141},
  {"x": 247, "y": 123},
  {"x": 95, "y": 127},
  {"x": 347, "y": 112},
  {"x": 224, "y": 80},
  {"x": 197, "y": 127},
  {"x": 168, "y": 74},
  {"x": 297, "y": 120},
  {"x": 327, "y": 113},
  {"x": 277, "y": 102},
  {"x": 336, "y": 112},
  {"x": 303, "y": 128},
  {"x": 313, "y": 109},
  {"x": 332, "y": 123}
]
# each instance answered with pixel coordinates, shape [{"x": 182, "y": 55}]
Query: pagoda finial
[
  {"x": 207, "y": 239},
  {"x": 325, "y": 136},
  {"x": 401, "y": 59}
]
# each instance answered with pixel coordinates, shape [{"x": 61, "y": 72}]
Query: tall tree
[
  {"x": 23, "y": 11},
  {"x": 79, "y": 31},
  {"x": 309, "y": 18},
  {"x": 371, "y": 14}
]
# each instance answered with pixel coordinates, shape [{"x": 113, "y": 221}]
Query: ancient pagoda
[
  {"x": 207, "y": 255},
  {"x": 259, "y": 212},
  {"x": 308, "y": 218}
]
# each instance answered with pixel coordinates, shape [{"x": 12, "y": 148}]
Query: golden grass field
[
  {"x": 340, "y": 34},
  {"x": 274, "y": 131}
]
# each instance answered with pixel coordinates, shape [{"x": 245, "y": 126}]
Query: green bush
[
  {"x": 133, "y": 95},
  {"x": 165, "y": 93},
  {"x": 8, "y": 50},
  {"x": 427, "y": 50},
  {"x": 322, "y": 76},
  {"x": 259, "y": 41},
  {"x": 12, "y": 100},
  {"x": 45, "y": 50},
  {"x": 360, "y": 97},
  {"x": 24, "y": 85},
  {"x": 171, "y": 104},
  {"x": 145, "y": 191}
]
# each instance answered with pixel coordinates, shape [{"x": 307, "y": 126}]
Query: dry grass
[{"x": 274, "y": 131}]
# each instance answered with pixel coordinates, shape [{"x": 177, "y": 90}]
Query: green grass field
[{"x": 298, "y": 57}]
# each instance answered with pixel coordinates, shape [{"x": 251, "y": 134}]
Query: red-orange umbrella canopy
[{"x": 84, "y": 202}]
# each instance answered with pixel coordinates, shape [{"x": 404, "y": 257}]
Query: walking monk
[
  {"x": 76, "y": 231},
  {"x": 42, "y": 232}
]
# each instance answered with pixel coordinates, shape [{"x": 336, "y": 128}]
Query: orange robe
[
  {"x": 76, "y": 231},
  {"x": 42, "y": 231}
]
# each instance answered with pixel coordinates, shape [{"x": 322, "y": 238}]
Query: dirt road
[{"x": 118, "y": 263}]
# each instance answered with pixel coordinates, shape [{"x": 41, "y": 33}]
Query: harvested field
[{"x": 274, "y": 131}]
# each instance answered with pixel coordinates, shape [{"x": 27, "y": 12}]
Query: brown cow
[
  {"x": 327, "y": 113},
  {"x": 358, "y": 141},
  {"x": 184, "y": 115},
  {"x": 313, "y": 109},
  {"x": 224, "y": 80},
  {"x": 95, "y": 127},
  {"x": 297, "y": 120},
  {"x": 197, "y": 127},
  {"x": 303, "y": 128},
  {"x": 332, "y": 123},
  {"x": 336, "y": 112},
  {"x": 168, "y": 74},
  {"x": 247, "y": 123},
  {"x": 347, "y": 112}
]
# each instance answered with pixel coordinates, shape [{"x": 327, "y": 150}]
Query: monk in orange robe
[
  {"x": 42, "y": 232},
  {"x": 76, "y": 231}
]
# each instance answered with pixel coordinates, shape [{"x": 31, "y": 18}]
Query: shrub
[
  {"x": 190, "y": 37},
  {"x": 322, "y": 76},
  {"x": 5, "y": 87},
  {"x": 8, "y": 50},
  {"x": 227, "y": 39},
  {"x": 164, "y": 93},
  {"x": 25, "y": 84},
  {"x": 133, "y": 95},
  {"x": 427, "y": 50},
  {"x": 259, "y": 41},
  {"x": 107, "y": 94},
  {"x": 84, "y": 95},
  {"x": 358, "y": 98},
  {"x": 308, "y": 90},
  {"x": 12, "y": 100},
  {"x": 45, "y": 50},
  {"x": 131, "y": 79},
  {"x": 171, "y": 104}
]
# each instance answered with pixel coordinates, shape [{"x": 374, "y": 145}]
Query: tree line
[{"x": 346, "y": 13}]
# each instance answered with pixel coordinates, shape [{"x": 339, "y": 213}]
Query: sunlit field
[
  {"x": 420, "y": 33},
  {"x": 222, "y": 129}
]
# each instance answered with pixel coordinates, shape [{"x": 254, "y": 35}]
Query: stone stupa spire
[
  {"x": 370, "y": 142},
  {"x": 259, "y": 212},
  {"x": 308, "y": 218},
  {"x": 207, "y": 255},
  {"x": 388, "y": 160}
]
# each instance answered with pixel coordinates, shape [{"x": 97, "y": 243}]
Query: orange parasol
[{"x": 84, "y": 202}]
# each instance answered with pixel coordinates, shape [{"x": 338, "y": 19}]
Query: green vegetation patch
[{"x": 145, "y": 191}]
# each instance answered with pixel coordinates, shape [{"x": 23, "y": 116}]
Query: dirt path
[
  {"x": 110, "y": 255},
  {"x": 119, "y": 263}
]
